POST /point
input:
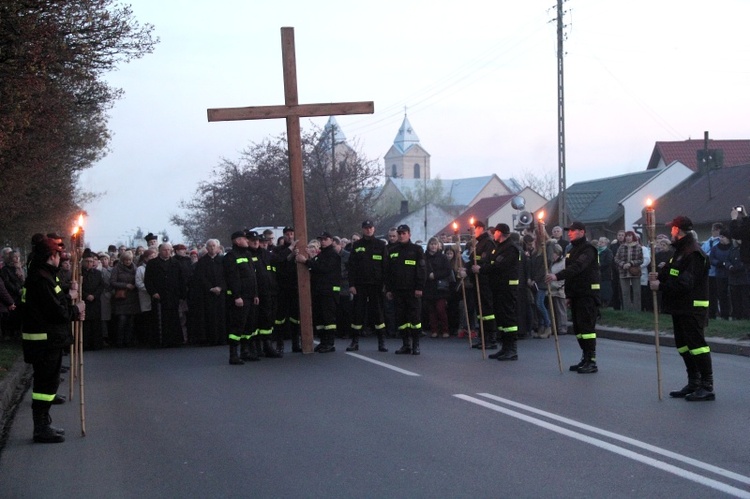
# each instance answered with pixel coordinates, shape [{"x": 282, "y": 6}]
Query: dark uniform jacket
[
  {"x": 286, "y": 267},
  {"x": 46, "y": 312},
  {"x": 484, "y": 247},
  {"x": 684, "y": 280},
  {"x": 264, "y": 271},
  {"x": 504, "y": 262},
  {"x": 325, "y": 272},
  {"x": 405, "y": 267},
  {"x": 367, "y": 262},
  {"x": 581, "y": 272},
  {"x": 239, "y": 274}
]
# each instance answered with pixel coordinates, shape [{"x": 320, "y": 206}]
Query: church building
[{"x": 407, "y": 159}]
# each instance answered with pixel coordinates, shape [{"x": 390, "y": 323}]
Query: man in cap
[
  {"x": 366, "y": 272},
  {"x": 165, "y": 283},
  {"x": 503, "y": 270},
  {"x": 683, "y": 283},
  {"x": 152, "y": 241},
  {"x": 325, "y": 286},
  {"x": 266, "y": 310},
  {"x": 582, "y": 282},
  {"x": 404, "y": 281},
  {"x": 242, "y": 300},
  {"x": 480, "y": 264},
  {"x": 287, "y": 312}
]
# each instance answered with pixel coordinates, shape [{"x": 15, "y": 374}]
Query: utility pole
[{"x": 561, "y": 209}]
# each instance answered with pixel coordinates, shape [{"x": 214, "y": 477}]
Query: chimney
[{"x": 404, "y": 207}]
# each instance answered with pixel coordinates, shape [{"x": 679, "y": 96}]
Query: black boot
[
  {"x": 268, "y": 350},
  {"x": 576, "y": 367},
  {"x": 491, "y": 341},
  {"x": 501, "y": 352},
  {"x": 415, "y": 343},
  {"x": 253, "y": 350},
  {"x": 280, "y": 347},
  {"x": 354, "y": 345},
  {"x": 694, "y": 377},
  {"x": 381, "y": 342},
  {"x": 234, "y": 359},
  {"x": 327, "y": 339},
  {"x": 589, "y": 364},
  {"x": 43, "y": 432},
  {"x": 244, "y": 349},
  {"x": 510, "y": 346},
  {"x": 406, "y": 348},
  {"x": 705, "y": 391}
]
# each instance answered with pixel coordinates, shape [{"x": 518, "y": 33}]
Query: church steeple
[
  {"x": 406, "y": 137},
  {"x": 406, "y": 158}
]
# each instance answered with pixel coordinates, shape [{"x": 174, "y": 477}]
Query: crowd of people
[{"x": 505, "y": 284}]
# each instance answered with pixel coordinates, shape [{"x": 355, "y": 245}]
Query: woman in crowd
[
  {"x": 557, "y": 288},
  {"x": 13, "y": 275},
  {"x": 719, "y": 256},
  {"x": 437, "y": 288},
  {"x": 469, "y": 304},
  {"x": 91, "y": 292},
  {"x": 145, "y": 325},
  {"x": 628, "y": 260},
  {"x": 538, "y": 287},
  {"x": 454, "y": 293},
  {"x": 125, "y": 304},
  {"x": 106, "y": 269},
  {"x": 606, "y": 264}
]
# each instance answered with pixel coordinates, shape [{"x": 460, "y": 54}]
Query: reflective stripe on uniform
[
  {"x": 241, "y": 260},
  {"x": 377, "y": 257},
  {"x": 410, "y": 262},
  {"x": 701, "y": 350},
  {"x": 674, "y": 272},
  {"x": 595, "y": 286},
  {"x": 394, "y": 255},
  {"x": 337, "y": 288},
  {"x": 58, "y": 290},
  {"x": 265, "y": 332},
  {"x": 356, "y": 326},
  {"x": 34, "y": 336},
  {"x": 234, "y": 337},
  {"x": 357, "y": 250},
  {"x": 44, "y": 397},
  {"x": 682, "y": 350},
  {"x": 486, "y": 317},
  {"x": 513, "y": 282},
  {"x": 586, "y": 336},
  {"x": 700, "y": 303}
]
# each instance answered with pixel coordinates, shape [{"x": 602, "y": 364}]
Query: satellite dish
[{"x": 518, "y": 203}]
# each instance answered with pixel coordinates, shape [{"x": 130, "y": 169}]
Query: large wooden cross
[{"x": 292, "y": 111}]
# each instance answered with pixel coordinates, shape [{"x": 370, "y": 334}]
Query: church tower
[
  {"x": 341, "y": 152},
  {"x": 407, "y": 158}
]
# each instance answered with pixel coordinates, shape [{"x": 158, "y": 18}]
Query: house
[
  {"x": 705, "y": 198},
  {"x": 687, "y": 152},
  {"x": 610, "y": 204},
  {"x": 494, "y": 210}
]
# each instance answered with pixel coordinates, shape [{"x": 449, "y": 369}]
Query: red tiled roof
[
  {"x": 736, "y": 152},
  {"x": 480, "y": 211}
]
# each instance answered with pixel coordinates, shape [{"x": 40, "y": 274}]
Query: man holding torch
[
  {"x": 582, "y": 282},
  {"x": 46, "y": 331},
  {"x": 480, "y": 265}
]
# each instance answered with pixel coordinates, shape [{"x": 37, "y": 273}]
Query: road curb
[
  {"x": 718, "y": 345},
  {"x": 12, "y": 389}
]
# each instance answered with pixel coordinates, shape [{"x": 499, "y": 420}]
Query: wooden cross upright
[{"x": 292, "y": 111}]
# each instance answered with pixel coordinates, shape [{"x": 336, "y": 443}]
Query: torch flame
[
  {"x": 649, "y": 202},
  {"x": 75, "y": 230},
  {"x": 455, "y": 226},
  {"x": 80, "y": 220},
  {"x": 540, "y": 216},
  {"x": 471, "y": 221}
]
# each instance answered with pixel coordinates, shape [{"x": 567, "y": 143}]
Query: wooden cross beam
[{"x": 292, "y": 111}]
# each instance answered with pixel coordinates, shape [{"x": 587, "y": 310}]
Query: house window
[
  {"x": 394, "y": 171},
  {"x": 416, "y": 170}
]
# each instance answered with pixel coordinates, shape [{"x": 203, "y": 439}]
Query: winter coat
[
  {"x": 631, "y": 253},
  {"x": 121, "y": 276}
]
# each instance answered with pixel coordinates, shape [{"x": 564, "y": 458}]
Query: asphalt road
[{"x": 184, "y": 423}]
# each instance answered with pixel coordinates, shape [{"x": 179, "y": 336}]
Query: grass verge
[{"x": 717, "y": 328}]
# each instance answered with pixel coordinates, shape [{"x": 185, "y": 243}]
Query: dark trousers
[
  {"x": 368, "y": 305},
  {"x": 584, "y": 310},
  {"x": 46, "y": 377},
  {"x": 740, "y": 301}
]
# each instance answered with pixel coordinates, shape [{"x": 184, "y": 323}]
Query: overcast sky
[{"x": 478, "y": 80}]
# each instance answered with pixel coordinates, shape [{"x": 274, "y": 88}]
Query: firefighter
[{"x": 242, "y": 300}]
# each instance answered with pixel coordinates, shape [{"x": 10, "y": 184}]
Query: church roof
[
  {"x": 406, "y": 137},
  {"x": 462, "y": 191},
  {"x": 338, "y": 134}
]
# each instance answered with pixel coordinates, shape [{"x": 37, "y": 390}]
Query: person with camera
[
  {"x": 683, "y": 283},
  {"x": 739, "y": 228}
]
